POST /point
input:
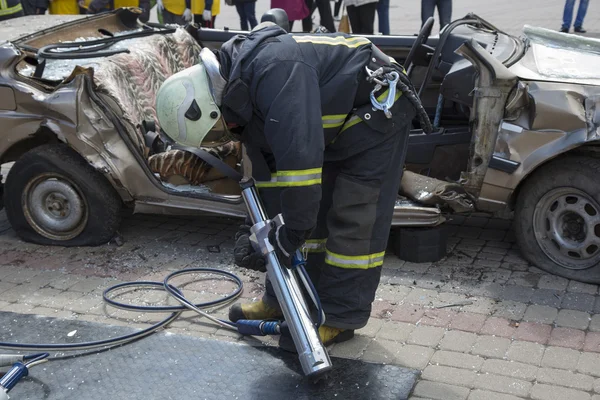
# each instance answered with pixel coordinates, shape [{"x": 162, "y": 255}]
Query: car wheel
[
  {"x": 53, "y": 196},
  {"x": 557, "y": 218}
]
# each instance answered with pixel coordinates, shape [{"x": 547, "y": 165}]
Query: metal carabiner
[{"x": 391, "y": 97}]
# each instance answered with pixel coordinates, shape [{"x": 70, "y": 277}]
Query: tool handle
[{"x": 13, "y": 376}]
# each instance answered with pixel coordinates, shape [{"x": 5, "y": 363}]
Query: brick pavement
[{"x": 519, "y": 333}]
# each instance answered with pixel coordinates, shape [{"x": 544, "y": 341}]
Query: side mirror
[{"x": 278, "y": 16}]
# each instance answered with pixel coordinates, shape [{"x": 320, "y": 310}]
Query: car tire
[
  {"x": 54, "y": 197},
  {"x": 557, "y": 218}
]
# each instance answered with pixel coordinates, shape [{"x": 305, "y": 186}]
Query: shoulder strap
[{"x": 213, "y": 161}]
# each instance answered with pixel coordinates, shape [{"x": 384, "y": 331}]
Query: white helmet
[{"x": 187, "y": 108}]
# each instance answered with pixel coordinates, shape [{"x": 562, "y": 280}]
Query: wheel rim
[
  {"x": 54, "y": 206},
  {"x": 567, "y": 228}
]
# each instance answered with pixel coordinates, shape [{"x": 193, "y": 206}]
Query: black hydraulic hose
[
  {"x": 124, "y": 339},
  {"x": 83, "y": 49}
]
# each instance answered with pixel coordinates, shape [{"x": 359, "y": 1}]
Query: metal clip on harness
[{"x": 390, "y": 79}]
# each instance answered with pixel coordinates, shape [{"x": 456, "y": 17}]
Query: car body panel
[{"x": 517, "y": 124}]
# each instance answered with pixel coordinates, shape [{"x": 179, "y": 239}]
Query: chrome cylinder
[{"x": 311, "y": 352}]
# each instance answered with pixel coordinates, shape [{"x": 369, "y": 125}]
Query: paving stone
[
  {"x": 526, "y": 279},
  {"x": 440, "y": 391},
  {"x": 425, "y": 297},
  {"x": 565, "y": 378},
  {"x": 351, "y": 349},
  {"x": 597, "y": 385},
  {"x": 458, "y": 341},
  {"x": 479, "y": 394},
  {"x": 408, "y": 313},
  {"x": 533, "y": 332},
  {"x": 498, "y": 275},
  {"x": 517, "y": 293},
  {"x": 372, "y": 328},
  {"x": 540, "y": 314},
  {"x": 525, "y": 352},
  {"x": 595, "y": 323},
  {"x": 579, "y": 301},
  {"x": 589, "y": 363},
  {"x": 573, "y": 319},
  {"x": 581, "y": 287},
  {"x": 459, "y": 360},
  {"x": 498, "y": 327},
  {"x": 510, "y": 309},
  {"x": 597, "y": 305},
  {"x": 558, "y": 357},
  {"x": 481, "y": 305},
  {"x": 547, "y": 297},
  {"x": 412, "y": 356},
  {"x": 381, "y": 351},
  {"x": 469, "y": 322},
  {"x": 502, "y": 384},
  {"x": 397, "y": 331},
  {"x": 490, "y": 346},
  {"x": 510, "y": 368},
  {"x": 567, "y": 337},
  {"x": 426, "y": 335},
  {"x": 592, "y": 342},
  {"x": 453, "y": 376},
  {"x": 553, "y": 282},
  {"x": 438, "y": 317},
  {"x": 547, "y": 392}
]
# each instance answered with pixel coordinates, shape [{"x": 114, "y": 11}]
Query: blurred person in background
[
  {"x": 383, "y": 16},
  {"x": 444, "y": 11},
  {"x": 205, "y": 12},
  {"x": 362, "y": 15},
  {"x": 295, "y": 9},
  {"x": 60, "y": 7},
  {"x": 174, "y": 11},
  {"x": 568, "y": 16},
  {"x": 97, "y": 6},
  {"x": 324, "y": 13},
  {"x": 246, "y": 10},
  {"x": 34, "y": 7}
]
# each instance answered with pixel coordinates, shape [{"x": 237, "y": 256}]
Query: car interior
[{"x": 129, "y": 80}]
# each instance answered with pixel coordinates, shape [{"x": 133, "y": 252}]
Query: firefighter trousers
[{"x": 360, "y": 181}]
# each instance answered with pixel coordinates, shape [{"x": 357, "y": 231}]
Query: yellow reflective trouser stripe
[
  {"x": 355, "y": 119},
  {"x": 334, "y": 121},
  {"x": 289, "y": 178},
  {"x": 355, "y": 262},
  {"x": 332, "y": 41},
  {"x": 314, "y": 246},
  {"x": 10, "y": 10}
]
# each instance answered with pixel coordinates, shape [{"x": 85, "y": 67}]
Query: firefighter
[
  {"x": 96, "y": 6},
  {"x": 175, "y": 11},
  {"x": 205, "y": 12},
  {"x": 10, "y": 9},
  {"x": 322, "y": 152}
]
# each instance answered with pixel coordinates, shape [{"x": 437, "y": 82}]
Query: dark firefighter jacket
[
  {"x": 9, "y": 8},
  {"x": 293, "y": 94}
]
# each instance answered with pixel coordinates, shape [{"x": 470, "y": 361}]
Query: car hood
[{"x": 559, "y": 57}]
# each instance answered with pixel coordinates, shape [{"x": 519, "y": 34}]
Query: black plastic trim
[{"x": 504, "y": 165}]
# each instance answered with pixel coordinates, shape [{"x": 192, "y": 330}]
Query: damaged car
[{"x": 515, "y": 131}]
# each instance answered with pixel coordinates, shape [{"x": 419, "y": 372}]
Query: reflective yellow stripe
[
  {"x": 10, "y": 10},
  {"x": 355, "y": 119},
  {"x": 289, "y": 178},
  {"x": 334, "y": 121},
  {"x": 351, "y": 42},
  {"x": 354, "y": 262},
  {"x": 384, "y": 95},
  {"x": 314, "y": 246}
]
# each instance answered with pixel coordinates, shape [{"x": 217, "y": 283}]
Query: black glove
[
  {"x": 244, "y": 254},
  {"x": 286, "y": 242}
]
